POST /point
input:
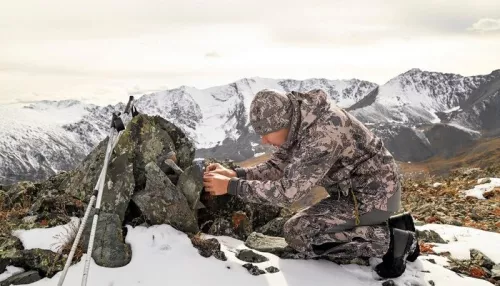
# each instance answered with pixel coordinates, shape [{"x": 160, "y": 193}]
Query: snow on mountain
[
  {"x": 481, "y": 111},
  {"x": 33, "y": 138},
  {"x": 162, "y": 255},
  {"x": 416, "y": 97},
  {"x": 42, "y": 138},
  {"x": 420, "y": 114}
]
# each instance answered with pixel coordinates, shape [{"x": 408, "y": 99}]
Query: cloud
[
  {"x": 212, "y": 54},
  {"x": 486, "y": 25}
]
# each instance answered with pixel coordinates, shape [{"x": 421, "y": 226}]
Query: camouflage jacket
[{"x": 328, "y": 147}]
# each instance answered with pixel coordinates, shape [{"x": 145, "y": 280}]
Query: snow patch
[
  {"x": 162, "y": 253},
  {"x": 463, "y": 239},
  {"x": 46, "y": 238},
  {"x": 479, "y": 190},
  {"x": 464, "y": 128},
  {"x": 456, "y": 108}
]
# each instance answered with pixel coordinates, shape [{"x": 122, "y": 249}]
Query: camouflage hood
[{"x": 307, "y": 109}]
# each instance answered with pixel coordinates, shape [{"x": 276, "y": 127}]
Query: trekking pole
[{"x": 118, "y": 126}]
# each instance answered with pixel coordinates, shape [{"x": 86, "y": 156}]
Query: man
[{"x": 320, "y": 144}]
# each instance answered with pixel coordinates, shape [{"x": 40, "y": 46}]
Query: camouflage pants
[{"x": 328, "y": 230}]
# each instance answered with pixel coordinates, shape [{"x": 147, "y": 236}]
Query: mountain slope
[{"x": 421, "y": 114}]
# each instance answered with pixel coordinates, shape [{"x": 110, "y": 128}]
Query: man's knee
[
  {"x": 297, "y": 231},
  {"x": 290, "y": 227}
]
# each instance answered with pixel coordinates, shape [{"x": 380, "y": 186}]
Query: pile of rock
[{"x": 142, "y": 187}]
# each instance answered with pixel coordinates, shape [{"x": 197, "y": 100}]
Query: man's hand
[
  {"x": 215, "y": 184},
  {"x": 219, "y": 169}
]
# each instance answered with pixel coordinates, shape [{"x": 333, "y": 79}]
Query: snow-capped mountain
[
  {"x": 420, "y": 114},
  {"x": 42, "y": 138}
]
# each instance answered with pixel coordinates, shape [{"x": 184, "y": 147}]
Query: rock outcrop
[{"x": 142, "y": 187}]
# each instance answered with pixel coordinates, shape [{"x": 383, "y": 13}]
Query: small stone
[
  {"x": 219, "y": 254},
  {"x": 425, "y": 208},
  {"x": 253, "y": 269},
  {"x": 480, "y": 259},
  {"x": 495, "y": 272},
  {"x": 483, "y": 181},
  {"x": 208, "y": 247},
  {"x": 388, "y": 283},
  {"x": 437, "y": 185},
  {"x": 27, "y": 277},
  {"x": 272, "y": 269},
  {"x": 491, "y": 193},
  {"x": 222, "y": 227},
  {"x": 430, "y": 236},
  {"x": 432, "y": 260},
  {"x": 473, "y": 215},
  {"x": 248, "y": 255},
  {"x": 432, "y": 283},
  {"x": 419, "y": 223},
  {"x": 264, "y": 243},
  {"x": 241, "y": 224},
  {"x": 274, "y": 227},
  {"x": 30, "y": 219}
]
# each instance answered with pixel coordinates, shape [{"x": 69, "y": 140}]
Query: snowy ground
[{"x": 165, "y": 256}]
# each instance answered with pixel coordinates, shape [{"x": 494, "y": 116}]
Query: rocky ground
[{"x": 442, "y": 200}]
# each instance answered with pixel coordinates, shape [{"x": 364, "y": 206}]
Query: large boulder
[
  {"x": 110, "y": 249},
  {"x": 139, "y": 186},
  {"x": 161, "y": 202},
  {"x": 191, "y": 186}
]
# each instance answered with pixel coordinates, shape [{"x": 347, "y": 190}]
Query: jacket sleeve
[
  {"x": 272, "y": 169},
  {"x": 299, "y": 177}
]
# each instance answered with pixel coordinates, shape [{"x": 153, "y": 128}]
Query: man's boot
[
  {"x": 403, "y": 242},
  {"x": 404, "y": 221}
]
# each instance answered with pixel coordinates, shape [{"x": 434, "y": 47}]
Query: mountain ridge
[{"x": 52, "y": 136}]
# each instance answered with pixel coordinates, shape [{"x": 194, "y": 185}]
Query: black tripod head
[{"x": 131, "y": 107}]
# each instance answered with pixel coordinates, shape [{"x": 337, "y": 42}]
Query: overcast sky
[{"x": 101, "y": 51}]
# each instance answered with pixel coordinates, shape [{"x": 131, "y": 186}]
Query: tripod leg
[
  {"x": 80, "y": 230},
  {"x": 102, "y": 180},
  {"x": 77, "y": 240}
]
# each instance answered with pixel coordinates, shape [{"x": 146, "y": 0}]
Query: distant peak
[{"x": 413, "y": 71}]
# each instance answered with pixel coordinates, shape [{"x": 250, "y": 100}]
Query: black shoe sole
[
  {"x": 395, "y": 267},
  {"x": 404, "y": 221}
]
